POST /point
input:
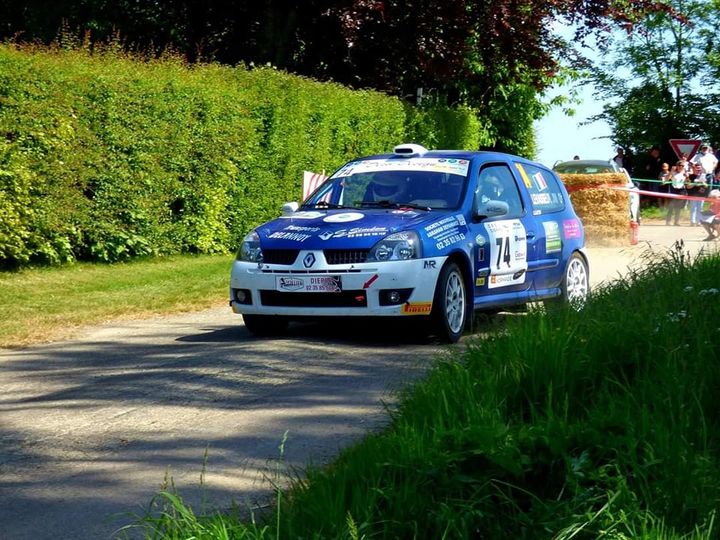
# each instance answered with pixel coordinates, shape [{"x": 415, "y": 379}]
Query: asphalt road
[{"x": 91, "y": 429}]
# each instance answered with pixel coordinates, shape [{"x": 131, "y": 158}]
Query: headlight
[
  {"x": 250, "y": 250},
  {"x": 396, "y": 247}
]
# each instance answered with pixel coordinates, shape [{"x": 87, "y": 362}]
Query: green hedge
[{"x": 106, "y": 157}]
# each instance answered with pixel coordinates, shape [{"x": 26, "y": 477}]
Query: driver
[{"x": 387, "y": 188}]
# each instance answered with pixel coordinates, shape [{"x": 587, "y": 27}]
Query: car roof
[{"x": 486, "y": 155}]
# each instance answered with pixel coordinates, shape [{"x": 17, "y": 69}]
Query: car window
[
  {"x": 496, "y": 182},
  {"x": 434, "y": 184},
  {"x": 546, "y": 195},
  {"x": 583, "y": 168}
]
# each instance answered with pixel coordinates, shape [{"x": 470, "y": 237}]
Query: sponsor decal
[
  {"x": 416, "y": 308},
  {"x": 523, "y": 175},
  {"x": 479, "y": 282},
  {"x": 409, "y": 212},
  {"x": 344, "y": 217},
  {"x": 356, "y": 232},
  {"x": 571, "y": 229},
  {"x": 309, "y": 284},
  {"x": 303, "y": 215},
  {"x": 298, "y": 228},
  {"x": 452, "y": 166},
  {"x": 507, "y": 259},
  {"x": 309, "y": 260},
  {"x": 290, "y": 284},
  {"x": 539, "y": 199},
  {"x": 283, "y": 235},
  {"x": 429, "y": 264},
  {"x": 323, "y": 284},
  {"x": 480, "y": 240},
  {"x": 540, "y": 181},
  {"x": 553, "y": 242},
  {"x": 446, "y": 231},
  {"x": 449, "y": 240}
]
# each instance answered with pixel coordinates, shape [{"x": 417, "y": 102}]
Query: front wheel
[
  {"x": 450, "y": 305},
  {"x": 265, "y": 325}
]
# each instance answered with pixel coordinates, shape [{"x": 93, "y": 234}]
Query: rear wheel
[
  {"x": 450, "y": 305},
  {"x": 575, "y": 285},
  {"x": 265, "y": 325}
]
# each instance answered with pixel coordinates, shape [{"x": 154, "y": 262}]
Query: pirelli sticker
[{"x": 417, "y": 308}]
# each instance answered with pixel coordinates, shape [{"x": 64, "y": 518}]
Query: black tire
[
  {"x": 575, "y": 285},
  {"x": 265, "y": 325},
  {"x": 450, "y": 306}
]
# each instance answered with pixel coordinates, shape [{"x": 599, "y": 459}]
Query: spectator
[
  {"x": 653, "y": 166},
  {"x": 664, "y": 182},
  {"x": 708, "y": 163},
  {"x": 622, "y": 160},
  {"x": 711, "y": 217},
  {"x": 678, "y": 181}
]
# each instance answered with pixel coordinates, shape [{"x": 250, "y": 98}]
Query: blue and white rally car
[{"x": 430, "y": 234}]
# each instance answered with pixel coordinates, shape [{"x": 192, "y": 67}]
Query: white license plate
[{"x": 308, "y": 283}]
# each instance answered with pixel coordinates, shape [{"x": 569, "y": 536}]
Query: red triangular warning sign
[{"x": 685, "y": 146}]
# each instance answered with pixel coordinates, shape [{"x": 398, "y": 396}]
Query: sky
[{"x": 560, "y": 137}]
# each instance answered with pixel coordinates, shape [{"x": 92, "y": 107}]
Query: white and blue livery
[{"x": 431, "y": 234}]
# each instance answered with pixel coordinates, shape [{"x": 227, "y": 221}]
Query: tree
[
  {"x": 666, "y": 93},
  {"x": 497, "y": 56}
]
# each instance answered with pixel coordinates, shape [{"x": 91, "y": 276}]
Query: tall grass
[
  {"x": 44, "y": 304},
  {"x": 562, "y": 425}
]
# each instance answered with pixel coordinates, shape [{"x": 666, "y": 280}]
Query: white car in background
[{"x": 600, "y": 166}]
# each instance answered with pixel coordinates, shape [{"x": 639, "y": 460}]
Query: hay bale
[{"x": 604, "y": 212}]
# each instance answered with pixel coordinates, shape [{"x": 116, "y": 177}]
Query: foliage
[
  {"x": 556, "y": 425},
  {"x": 494, "y": 57},
  {"x": 107, "y": 156},
  {"x": 667, "y": 92}
]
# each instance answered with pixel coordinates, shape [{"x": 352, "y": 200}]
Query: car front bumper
[{"x": 390, "y": 288}]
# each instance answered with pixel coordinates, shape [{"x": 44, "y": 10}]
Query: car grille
[
  {"x": 280, "y": 256},
  {"x": 345, "y": 256},
  {"x": 351, "y": 299}
]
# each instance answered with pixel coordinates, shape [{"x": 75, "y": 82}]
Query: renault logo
[{"x": 309, "y": 260}]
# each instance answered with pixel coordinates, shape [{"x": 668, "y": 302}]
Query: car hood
[{"x": 346, "y": 229}]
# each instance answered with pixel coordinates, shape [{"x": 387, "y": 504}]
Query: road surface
[{"x": 90, "y": 429}]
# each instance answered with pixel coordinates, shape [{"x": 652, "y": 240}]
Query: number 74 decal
[{"x": 508, "y": 253}]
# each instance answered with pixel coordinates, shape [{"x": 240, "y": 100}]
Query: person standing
[
  {"x": 678, "y": 182},
  {"x": 703, "y": 164},
  {"x": 663, "y": 178},
  {"x": 621, "y": 160}
]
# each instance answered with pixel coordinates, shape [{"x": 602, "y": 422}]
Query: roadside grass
[
  {"x": 44, "y": 304},
  {"x": 602, "y": 424}
]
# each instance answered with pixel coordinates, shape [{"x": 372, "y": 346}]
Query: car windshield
[
  {"x": 384, "y": 184},
  {"x": 584, "y": 168}
]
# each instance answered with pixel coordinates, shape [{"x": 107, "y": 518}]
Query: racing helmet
[{"x": 387, "y": 187}]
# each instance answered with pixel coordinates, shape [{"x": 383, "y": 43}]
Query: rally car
[{"x": 416, "y": 233}]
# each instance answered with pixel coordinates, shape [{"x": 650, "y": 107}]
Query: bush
[{"x": 105, "y": 157}]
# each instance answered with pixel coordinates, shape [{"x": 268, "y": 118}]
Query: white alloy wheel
[
  {"x": 577, "y": 283},
  {"x": 450, "y": 305}
]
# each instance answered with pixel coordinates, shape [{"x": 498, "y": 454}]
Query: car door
[
  {"x": 504, "y": 245},
  {"x": 555, "y": 224}
]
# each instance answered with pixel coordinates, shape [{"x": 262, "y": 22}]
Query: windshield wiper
[
  {"x": 323, "y": 204},
  {"x": 391, "y": 204}
]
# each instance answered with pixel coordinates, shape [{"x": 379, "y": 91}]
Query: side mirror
[
  {"x": 491, "y": 209},
  {"x": 289, "y": 208}
]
